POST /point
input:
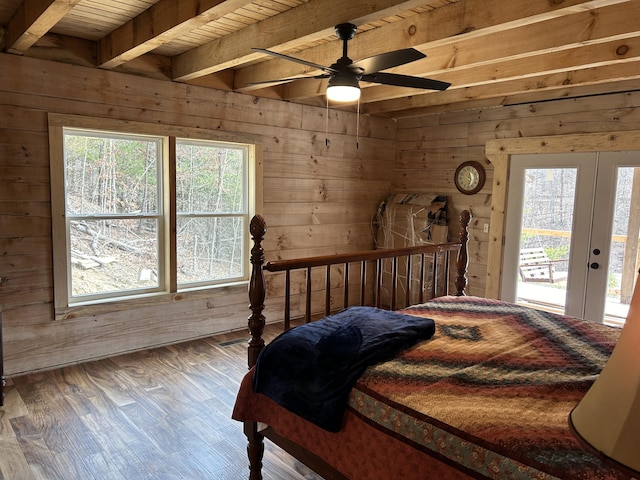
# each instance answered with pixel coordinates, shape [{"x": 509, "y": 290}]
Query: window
[
  {"x": 139, "y": 211},
  {"x": 113, "y": 184},
  {"x": 211, "y": 197}
]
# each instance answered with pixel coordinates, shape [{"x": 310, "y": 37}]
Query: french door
[{"x": 583, "y": 211}]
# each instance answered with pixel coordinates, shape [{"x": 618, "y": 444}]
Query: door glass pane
[
  {"x": 623, "y": 258},
  {"x": 547, "y": 220}
]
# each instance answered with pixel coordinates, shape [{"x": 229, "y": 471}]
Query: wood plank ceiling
[{"x": 492, "y": 51}]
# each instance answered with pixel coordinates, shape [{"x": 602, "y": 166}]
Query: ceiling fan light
[
  {"x": 343, "y": 93},
  {"x": 343, "y": 88}
]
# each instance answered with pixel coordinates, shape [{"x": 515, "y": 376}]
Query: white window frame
[
  {"x": 65, "y": 304},
  {"x": 243, "y": 214}
]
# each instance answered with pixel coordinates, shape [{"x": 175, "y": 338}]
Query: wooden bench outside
[{"x": 535, "y": 266}]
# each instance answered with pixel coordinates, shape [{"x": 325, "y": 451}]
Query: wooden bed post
[
  {"x": 256, "y": 322},
  {"x": 255, "y": 450},
  {"x": 463, "y": 257},
  {"x": 257, "y": 289}
]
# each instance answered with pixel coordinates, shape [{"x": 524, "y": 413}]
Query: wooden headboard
[{"x": 440, "y": 253}]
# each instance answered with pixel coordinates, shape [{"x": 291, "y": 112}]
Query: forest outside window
[
  {"x": 139, "y": 214},
  {"x": 211, "y": 197}
]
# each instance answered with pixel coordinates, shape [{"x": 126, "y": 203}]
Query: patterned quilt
[{"x": 492, "y": 390}]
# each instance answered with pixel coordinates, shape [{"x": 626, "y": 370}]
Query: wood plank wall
[
  {"x": 441, "y": 141},
  {"x": 317, "y": 199}
]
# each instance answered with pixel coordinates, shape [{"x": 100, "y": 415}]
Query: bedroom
[{"x": 317, "y": 198}]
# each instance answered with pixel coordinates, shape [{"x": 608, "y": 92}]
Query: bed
[{"x": 486, "y": 393}]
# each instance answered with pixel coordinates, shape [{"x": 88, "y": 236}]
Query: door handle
[{"x": 594, "y": 265}]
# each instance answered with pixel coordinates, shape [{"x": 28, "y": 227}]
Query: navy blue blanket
[{"x": 310, "y": 369}]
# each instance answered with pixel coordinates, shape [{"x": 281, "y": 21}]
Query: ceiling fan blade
[
  {"x": 383, "y": 61},
  {"x": 294, "y": 59},
  {"x": 406, "y": 81},
  {"x": 283, "y": 80}
]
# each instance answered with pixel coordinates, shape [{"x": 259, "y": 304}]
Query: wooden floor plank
[
  {"x": 13, "y": 463},
  {"x": 162, "y": 413}
]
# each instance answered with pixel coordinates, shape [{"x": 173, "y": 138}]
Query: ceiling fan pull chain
[
  {"x": 326, "y": 126},
  {"x": 358, "y": 126}
]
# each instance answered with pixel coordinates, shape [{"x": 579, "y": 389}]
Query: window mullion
[{"x": 171, "y": 229}]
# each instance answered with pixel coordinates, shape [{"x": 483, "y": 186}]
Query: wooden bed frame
[{"x": 257, "y": 321}]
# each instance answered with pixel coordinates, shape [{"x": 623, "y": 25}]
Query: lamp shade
[
  {"x": 608, "y": 416},
  {"x": 343, "y": 88}
]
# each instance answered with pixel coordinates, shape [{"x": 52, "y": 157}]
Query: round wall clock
[{"x": 470, "y": 177}]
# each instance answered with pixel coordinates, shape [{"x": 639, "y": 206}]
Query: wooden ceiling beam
[
  {"x": 158, "y": 25},
  {"x": 529, "y": 97},
  {"x": 308, "y": 22},
  {"x": 584, "y": 28},
  {"x": 547, "y": 82},
  {"x": 468, "y": 20},
  {"x": 65, "y": 49},
  {"x": 32, "y": 20},
  {"x": 614, "y": 53}
]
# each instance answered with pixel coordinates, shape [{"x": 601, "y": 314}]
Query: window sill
[{"x": 151, "y": 300}]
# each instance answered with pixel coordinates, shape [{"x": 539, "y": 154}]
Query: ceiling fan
[{"x": 344, "y": 75}]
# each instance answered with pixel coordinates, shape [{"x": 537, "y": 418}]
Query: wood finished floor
[{"x": 156, "y": 414}]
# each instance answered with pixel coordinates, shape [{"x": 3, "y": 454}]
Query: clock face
[{"x": 469, "y": 177}]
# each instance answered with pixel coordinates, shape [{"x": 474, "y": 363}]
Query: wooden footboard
[
  {"x": 428, "y": 280},
  {"x": 430, "y": 258}
]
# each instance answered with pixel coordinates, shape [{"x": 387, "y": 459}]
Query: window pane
[
  {"x": 111, "y": 174},
  {"x": 547, "y": 221},
  {"x": 113, "y": 255},
  {"x": 624, "y": 246},
  {"x": 210, "y": 177},
  {"x": 210, "y": 248}
]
